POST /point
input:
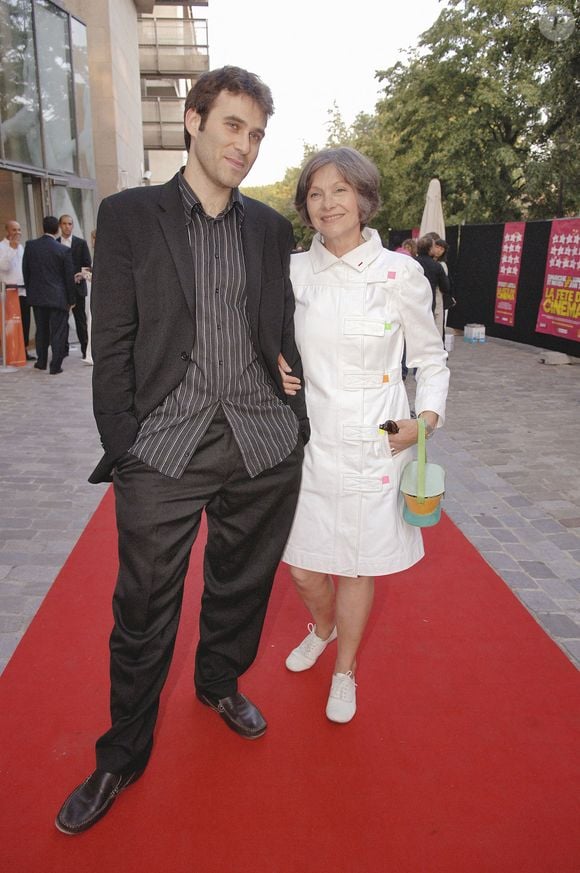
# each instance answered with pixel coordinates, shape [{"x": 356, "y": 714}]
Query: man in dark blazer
[
  {"x": 81, "y": 258},
  {"x": 438, "y": 278},
  {"x": 191, "y": 306},
  {"x": 48, "y": 275}
]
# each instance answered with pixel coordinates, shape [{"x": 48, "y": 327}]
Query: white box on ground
[{"x": 474, "y": 333}]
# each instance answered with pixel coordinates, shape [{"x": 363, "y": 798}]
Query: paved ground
[{"x": 509, "y": 447}]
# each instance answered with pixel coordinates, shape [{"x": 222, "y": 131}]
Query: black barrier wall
[{"x": 473, "y": 259}]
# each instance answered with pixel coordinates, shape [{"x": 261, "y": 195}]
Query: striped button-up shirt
[{"x": 223, "y": 369}]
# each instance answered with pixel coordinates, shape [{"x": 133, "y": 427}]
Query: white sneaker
[
  {"x": 341, "y": 705},
  {"x": 305, "y": 656}
]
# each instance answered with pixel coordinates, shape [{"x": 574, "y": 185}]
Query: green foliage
[
  {"x": 487, "y": 104},
  {"x": 479, "y": 104},
  {"x": 280, "y": 196}
]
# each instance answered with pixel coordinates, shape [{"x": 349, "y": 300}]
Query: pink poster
[
  {"x": 509, "y": 272},
  {"x": 559, "y": 312}
]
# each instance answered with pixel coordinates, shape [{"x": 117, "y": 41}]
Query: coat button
[{"x": 184, "y": 356}]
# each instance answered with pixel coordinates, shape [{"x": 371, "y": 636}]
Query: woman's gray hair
[{"x": 355, "y": 168}]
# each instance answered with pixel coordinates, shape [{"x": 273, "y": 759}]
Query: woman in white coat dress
[{"x": 356, "y": 305}]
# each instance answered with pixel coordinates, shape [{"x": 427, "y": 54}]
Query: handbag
[{"x": 422, "y": 486}]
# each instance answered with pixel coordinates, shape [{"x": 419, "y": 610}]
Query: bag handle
[{"x": 421, "y": 460}]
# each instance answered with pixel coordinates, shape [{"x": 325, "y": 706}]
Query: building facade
[
  {"x": 173, "y": 52},
  {"x": 91, "y": 101}
]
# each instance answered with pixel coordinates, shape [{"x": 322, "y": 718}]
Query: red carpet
[{"x": 463, "y": 757}]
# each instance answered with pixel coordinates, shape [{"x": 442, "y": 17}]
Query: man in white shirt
[{"x": 11, "y": 252}]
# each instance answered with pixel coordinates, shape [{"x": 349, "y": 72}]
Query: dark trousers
[
  {"x": 158, "y": 520},
  {"x": 25, "y": 319},
  {"x": 51, "y": 330},
  {"x": 80, "y": 316}
]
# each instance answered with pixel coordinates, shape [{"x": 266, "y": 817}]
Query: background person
[
  {"x": 440, "y": 249},
  {"x": 408, "y": 247},
  {"x": 11, "y": 254},
  {"x": 356, "y": 304},
  {"x": 48, "y": 275},
  {"x": 437, "y": 277},
  {"x": 88, "y": 358},
  {"x": 81, "y": 258},
  {"x": 191, "y": 304}
]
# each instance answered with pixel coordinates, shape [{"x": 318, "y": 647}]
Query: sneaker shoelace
[
  {"x": 344, "y": 689},
  {"x": 311, "y": 642}
]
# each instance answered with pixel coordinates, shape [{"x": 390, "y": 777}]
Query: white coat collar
[{"x": 359, "y": 259}]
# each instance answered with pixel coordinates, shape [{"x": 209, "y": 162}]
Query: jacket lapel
[
  {"x": 173, "y": 223},
  {"x": 253, "y": 245}
]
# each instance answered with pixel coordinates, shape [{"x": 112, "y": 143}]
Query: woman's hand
[
  {"x": 291, "y": 384},
  {"x": 406, "y": 437},
  {"x": 408, "y": 432}
]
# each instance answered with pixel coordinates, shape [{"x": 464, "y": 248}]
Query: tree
[
  {"x": 487, "y": 103},
  {"x": 554, "y": 173},
  {"x": 280, "y": 196},
  {"x": 481, "y": 103}
]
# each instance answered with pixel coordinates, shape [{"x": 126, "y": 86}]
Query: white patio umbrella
[{"x": 432, "y": 220}]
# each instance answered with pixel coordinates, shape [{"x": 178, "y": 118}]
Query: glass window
[
  {"x": 56, "y": 87},
  {"x": 86, "y": 152},
  {"x": 19, "y": 109}
]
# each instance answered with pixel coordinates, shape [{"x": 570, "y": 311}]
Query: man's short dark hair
[
  {"x": 425, "y": 244},
  {"x": 233, "y": 79},
  {"x": 50, "y": 224}
]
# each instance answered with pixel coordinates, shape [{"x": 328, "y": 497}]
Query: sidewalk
[{"x": 509, "y": 447}]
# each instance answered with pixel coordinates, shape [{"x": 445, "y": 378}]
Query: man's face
[
  {"x": 66, "y": 226},
  {"x": 13, "y": 232},
  {"x": 225, "y": 150}
]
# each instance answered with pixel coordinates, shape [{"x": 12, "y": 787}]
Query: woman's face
[{"x": 333, "y": 210}]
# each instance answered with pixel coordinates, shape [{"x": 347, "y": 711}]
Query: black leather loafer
[
  {"x": 90, "y": 801},
  {"x": 239, "y": 714}
]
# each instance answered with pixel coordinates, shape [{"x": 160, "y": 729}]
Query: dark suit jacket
[
  {"x": 48, "y": 273},
  {"x": 437, "y": 278},
  {"x": 143, "y": 308},
  {"x": 81, "y": 257}
]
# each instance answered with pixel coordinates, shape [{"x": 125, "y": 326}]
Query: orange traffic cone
[{"x": 15, "y": 353}]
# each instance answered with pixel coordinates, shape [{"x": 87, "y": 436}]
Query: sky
[{"x": 312, "y": 54}]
